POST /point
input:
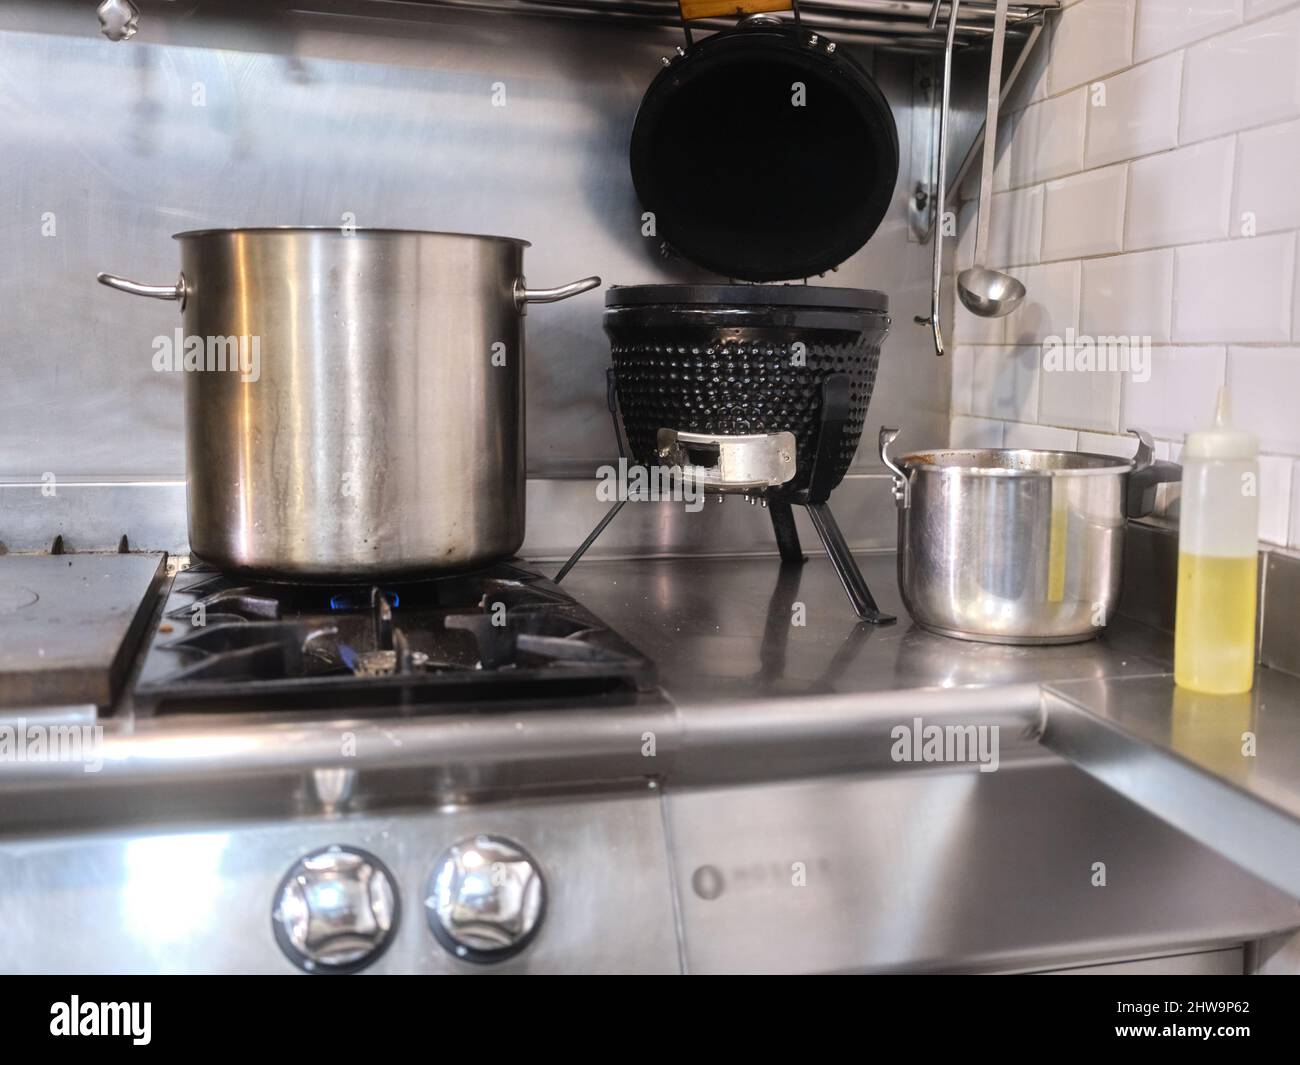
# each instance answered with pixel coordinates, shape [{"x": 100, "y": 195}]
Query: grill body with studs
[{"x": 738, "y": 370}]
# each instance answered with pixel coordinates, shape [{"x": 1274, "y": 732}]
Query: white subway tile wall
[
  {"x": 975, "y": 432},
  {"x": 1041, "y": 437},
  {"x": 1004, "y": 383},
  {"x": 1095, "y": 39},
  {"x": 1017, "y": 232},
  {"x": 1295, "y": 309},
  {"x": 1180, "y": 196},
  {"x": 1083, "y": 215},
  {"x": 1274, "y": 498},
  {"x": 1080, "y": 399},
  {"x": 1050, "y": 306},
  {"x": 1107, "y": 444},
  {"x": 1242, "y": 78},
  {"x": 1264, "y": 384},
  {"x": 1135, "y": 112},
  {"x": 1146, "y": 196},
  {"x": 1264, "y": 198},
  {"x": 1256, "y": 8},
  {"x": 1055, "y": 128},
  {"x": 1163, "y": 25},
  {"x": 1235, "y": 290},
  {"x": 1179, "y": 392},
  {"x": 1130, "y": 295},
  {"x": 963, "y": 360}
]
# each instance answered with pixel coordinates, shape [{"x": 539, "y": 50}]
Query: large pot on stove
[{"x": 380, "y": 428}]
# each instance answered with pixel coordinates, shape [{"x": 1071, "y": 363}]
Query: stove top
[
  {"x": 502, "y": 634},
  {"x": 70, "y": 625}
]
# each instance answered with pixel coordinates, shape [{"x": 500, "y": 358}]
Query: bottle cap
[{"x": 1223, "y": 441}]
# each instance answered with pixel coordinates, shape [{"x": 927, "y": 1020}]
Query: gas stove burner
[
  {"x": 384, "y": 663},
  {"x": 748, "y": 464},
  {"x": 501, "y": 633}
]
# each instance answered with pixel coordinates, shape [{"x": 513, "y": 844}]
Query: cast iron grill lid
[
  {"x": 501, "y": 635},
  {"x": 752, "y": 177},
  {"x": 810, "y": 296}
]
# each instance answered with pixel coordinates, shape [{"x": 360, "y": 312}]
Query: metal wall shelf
[{"x": 894, "y": 25}]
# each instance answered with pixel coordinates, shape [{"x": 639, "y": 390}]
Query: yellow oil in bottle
[{"x": 1214, "y": 634}]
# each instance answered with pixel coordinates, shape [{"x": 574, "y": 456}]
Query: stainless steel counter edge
[
  {"x": 1113, "y": 729},
  {"x": 805, "y": 736},
  {"x": 1224, "y": 770},
  {"x": 688, "y": 745}
]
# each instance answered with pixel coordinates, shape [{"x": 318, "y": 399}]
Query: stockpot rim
[
  {"x": 1092, "y": 464},
  {"x": 365, "y": 231}
]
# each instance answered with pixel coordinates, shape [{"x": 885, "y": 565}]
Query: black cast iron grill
[
  {"x": 699, "y": 379},
  {"x": 719, "y": 361},
  {"x": 739, "y": 359},
  {"x": 761, "y": 153}
]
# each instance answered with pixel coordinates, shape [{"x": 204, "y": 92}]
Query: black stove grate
[{"x": 505, "y": 633}]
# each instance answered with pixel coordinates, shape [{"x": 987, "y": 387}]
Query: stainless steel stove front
[
  {"x": 211, "y": 897},
  {"x": 913, "y": 871}
]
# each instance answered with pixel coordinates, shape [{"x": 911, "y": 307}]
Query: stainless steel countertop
[
  {"x": 754, "y": 694},
  {"x": 724, "y": 630},
  {"x": 1224, "y": 769}
]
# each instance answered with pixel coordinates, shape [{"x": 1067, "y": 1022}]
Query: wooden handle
[{"x": 693, "y": 9}]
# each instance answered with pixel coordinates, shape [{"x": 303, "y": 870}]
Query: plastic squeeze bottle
[{"x": 1218, "y": 555}]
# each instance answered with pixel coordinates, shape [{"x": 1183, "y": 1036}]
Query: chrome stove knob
[
  {"x": 486, "y": 899},
  {"x": 336, "y": 910}
]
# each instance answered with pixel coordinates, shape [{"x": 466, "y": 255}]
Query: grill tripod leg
[
  {"x": 787, "y": 536},
  {"x": 845, "y": 566}
]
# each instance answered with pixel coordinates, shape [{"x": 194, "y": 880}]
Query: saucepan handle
[
  {"x": 1146, "y": 475},
  {"x": 525, "y": 295},
  {"x": 135, "y": 288},
  {"x": 902, "y": 486}
]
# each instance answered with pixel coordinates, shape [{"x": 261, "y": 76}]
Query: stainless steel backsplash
[{"x": 228, "y": 115}]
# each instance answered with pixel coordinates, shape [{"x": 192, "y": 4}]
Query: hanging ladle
[
  {"x": 984, "y": 291},
  {"x": 940, "y": 172}
]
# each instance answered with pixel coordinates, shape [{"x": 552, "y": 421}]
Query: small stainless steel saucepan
[{"x": 1013, "y": 545}]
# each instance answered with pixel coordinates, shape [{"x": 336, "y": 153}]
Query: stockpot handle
[
  {"x": 135, "y": 288},
  {"x": 525, "y": 295},
  {"x": 902, "y": 486},
  {"x": 1146, "y": 475}
]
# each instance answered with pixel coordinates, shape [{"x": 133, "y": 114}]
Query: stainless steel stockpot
[
  {"x": 1017, "y": 546},
  {"x": 380, "y": 430}
]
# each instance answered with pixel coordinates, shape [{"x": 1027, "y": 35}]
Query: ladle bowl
[{"x": 989, "y": 293}]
